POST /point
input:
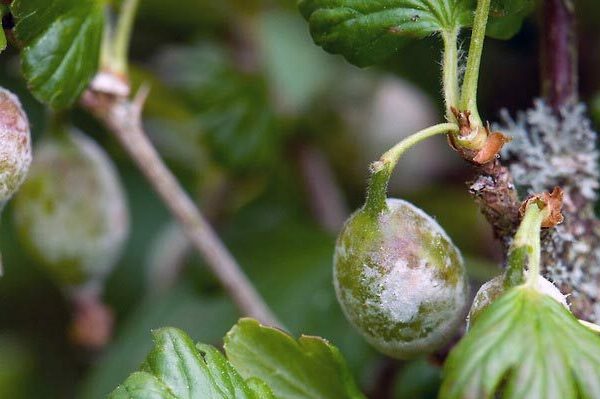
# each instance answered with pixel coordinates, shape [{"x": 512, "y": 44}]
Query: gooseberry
[
  {"x": 493, "y": 289},
  {"x": 400, "y": 280},
  {"x": 71, "y": 212},
  {"x": 15, "y": 145}
]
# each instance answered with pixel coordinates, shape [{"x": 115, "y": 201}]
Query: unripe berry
[
  {"x": 400, "y": 280},
  {"x": 71, "y": 212},
  {"x": 493, "y": 289},
  {"x": 15, "y": 145}
]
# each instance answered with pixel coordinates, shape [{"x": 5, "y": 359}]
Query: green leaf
[
  {"x": 297, "y": 70},
  {"x": 524, "y": 345},
  {"x": 307, "y": 368},
  {"x": 176, "y": 369},
  {"x": 61, "y": 46},
  {"x": 369, "y": 32}
]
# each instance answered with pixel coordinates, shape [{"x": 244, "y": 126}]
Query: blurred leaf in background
[
  {"x": 232, "y": 108},
  {"x": 17, "y": 368}
]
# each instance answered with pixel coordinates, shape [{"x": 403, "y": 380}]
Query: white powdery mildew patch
[
  {"x": 405, "y": 289},
  {"x": 548, "y": 151},
  {"x": 487, "y": 293}
]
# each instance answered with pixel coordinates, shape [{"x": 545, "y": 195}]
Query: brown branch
[
  {"x": 581, "y": 228},
  {"x": 495, "y": 192},
  {"x": 493, "y": 188},
  {"x": 123, "y": 118},
  {"x": 559, "y": 53},
  {"x": 167, "y": 259}
]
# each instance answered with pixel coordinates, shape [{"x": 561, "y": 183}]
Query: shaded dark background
[{"x": 273, "y": 137}]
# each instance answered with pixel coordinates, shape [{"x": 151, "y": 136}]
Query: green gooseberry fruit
[
  {"x": 400, "y": 280},
  {"x": 71, "y": 212},
  {"x": 15, "y": 145},
  {"x": 493, "y": 289}
]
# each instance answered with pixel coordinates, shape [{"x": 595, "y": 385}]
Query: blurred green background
[{"x": 273, "y": 137}]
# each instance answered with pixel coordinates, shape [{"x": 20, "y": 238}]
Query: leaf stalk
[
  {"x": 450, "y": 71},
  {"x": 468, "y": 101}
]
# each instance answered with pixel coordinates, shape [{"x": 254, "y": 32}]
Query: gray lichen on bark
[{"x": 559, "y": 149}]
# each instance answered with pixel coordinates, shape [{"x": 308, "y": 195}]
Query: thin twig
[
  {"x": 167, "y": 258},
  {"x": 123, "y": 118}
]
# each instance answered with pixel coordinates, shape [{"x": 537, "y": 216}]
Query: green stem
[
  {"x": 468, "y": 99},
  {"x": 525, "y": 249},
  {"x": 382, "y": 170},
  {"x": 106, "y": 55},
  {"x": 122, "y": 36},
  {"x": 450, "y": 71}
]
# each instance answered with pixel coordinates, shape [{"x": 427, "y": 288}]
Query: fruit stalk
[
  {"x": 123, "y": 34},
  {"x": 381, "y": 170},
  {"x": 450, "y": 72}
]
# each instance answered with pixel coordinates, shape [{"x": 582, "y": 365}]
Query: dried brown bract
[
  {"x": 552, "y": 200},
  {"x": 494, "y": 143},
  {"x": 476, "y": 143}
]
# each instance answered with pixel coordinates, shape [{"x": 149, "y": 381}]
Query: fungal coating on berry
[
  {"x": 493, "y": 289},
  {"x": 400, "y": 280},
  {"x": 15, "y": 145},
  {"x": 71, "y": 213}
]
